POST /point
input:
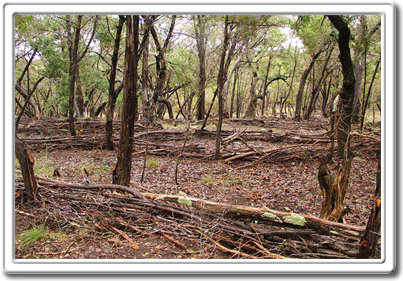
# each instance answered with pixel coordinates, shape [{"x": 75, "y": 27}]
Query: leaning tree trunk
[
  {"x": 334, "y": 189},
  {"x": 300, "y": 95},
  {"x": 121, "y": 172},
  {"x": 27, "y": 169},
  {"x": 347, "y": 91}
]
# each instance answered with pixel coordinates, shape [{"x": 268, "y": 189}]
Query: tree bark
[
  {"x": 112, "y": 95},
  {"x": 201, "y": 52},
  {"x": 73, "y": 51},
  {"x": 220, "y": 85},
  {"x": 334, "y": 189},
  {"x": 372, "y": 232},
  {"x": 300, "y": 94},
  {"x": 347, "y": 91},
  {"x": 365, "y": 102},
  {"x": 121, "y": 172},
  {"x": 27, "y": 169},
  {"x": 315, "y": 91},
  {"x": 161, "y": 66},
  {"x": 80, "y": 95}
]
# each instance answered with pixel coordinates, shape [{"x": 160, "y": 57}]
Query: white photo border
[{"x": 386, "y": 264}]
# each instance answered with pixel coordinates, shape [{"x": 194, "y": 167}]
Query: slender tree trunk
[
  {"x": 80, "y": 95},
  {"x": 365, "y": 102},
  {"x": 161, "y": 66},
  {"x": 73, "y": 47},
  {"x": 347, "y": 91},
  {"x": 358, "y": 87},
  {"x": 250, "y": 111},
  {"x": 112, "y": 96},
  {"x": 315, "y": 91},
  {"x": 220, "y": 85},
  {"x": 201, "y": 51},
  {"x": 144, "y": 75},
  {"x": 300, "y": 94},
  {"x": 121, "y": 173},
  {"x": 231, "y": 111},
  {"x": 265, "y": 85}
]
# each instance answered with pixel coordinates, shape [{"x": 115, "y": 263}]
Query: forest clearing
[{"x": 197, "y": 137}]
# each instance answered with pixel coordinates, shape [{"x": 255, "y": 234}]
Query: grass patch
[
  {"x": 40, "y": 233},
  {"x": 234, "y": 181},
  {"x": 153, "y": 163},
  {"x": 208, "y": 179},
  {"x": 43, "y": 165},
  {"x": 34, "y": 234}
]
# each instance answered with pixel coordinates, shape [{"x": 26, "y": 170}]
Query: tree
[
  {"x": 112, "y": 92},
  {"x": 26, "y": 161},
  {"x": 300, "y": 94},
  {"x": 220, "y": 84},
  {"x": 161, "y": 65},
  {"x": 371, "y": 235},
  {"x": 348, "y": 88},
  {"x": 121, "y": 172},
  {"x": 316, "y": 88},
  {"x": 200, "y": 31},
  {"x": 75, "y": 58}
]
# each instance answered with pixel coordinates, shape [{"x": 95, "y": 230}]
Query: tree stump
[
  {"x": 371, "y": 235},
  {"x": 334, "y": 189},
  {"x": 26, "y": 161}
]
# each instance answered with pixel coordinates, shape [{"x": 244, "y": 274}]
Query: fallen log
[
  {"x": 265, "y": 153},
  {"x": 279, "y": 234},
  {"x": 262, "y": 214}
]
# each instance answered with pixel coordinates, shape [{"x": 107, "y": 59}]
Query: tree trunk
[
  {"x": 121, "y": 172},
  {"x": 365, "y": 102},
  {"x": 161, "y": 66},
  {"x": 231, "y": 111},
  {"x": 144, "y": 75},
  {"x": 315, "y": 91},
  {"x": 201, "y": 52},
  {"x": 358, "y": 86},
  {"x": 372, "y": 231},
  {"x": 27, "y": 169},
  {"x": 265, "y": 85},
  {"x": 112, "y": 96},
  {"x": 73, "y": 50},
  {"x": 333, "y": 190},
  {"x": 80, "y": 95},
  {"x": 250, "y": 111},
  {"x": 347, "y": 91},
  {"x": 220, "y": 85},
  {"x": 300, "y": 94},
  {"x": 168, "y": 106}
]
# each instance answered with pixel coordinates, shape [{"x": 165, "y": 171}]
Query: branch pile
[{"x": 239, "y": 231}]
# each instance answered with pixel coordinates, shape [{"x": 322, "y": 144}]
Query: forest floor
[{"x": 58, "y": 229}]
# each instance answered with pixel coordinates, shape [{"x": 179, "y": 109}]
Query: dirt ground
[{"x": 71, "y": 232}]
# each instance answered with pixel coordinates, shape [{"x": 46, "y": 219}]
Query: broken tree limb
[
  {"x": 265, "y": 153},
  {"x": 232, "y": 226},
  {"x": 262, "y": 214}
]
